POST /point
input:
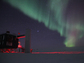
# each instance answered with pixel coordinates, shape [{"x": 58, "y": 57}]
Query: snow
[
  {"x": 40, "y": 58},
  {"x": 44, "y": 58}
]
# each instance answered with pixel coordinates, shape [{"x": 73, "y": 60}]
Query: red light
[
  {"x": 57, "y": 52},
  {"x": 31, "y": 50},
  {"x": 19, "y": 33},
  {"x": 21, "y": 37},
  {"x": 19, "y": 46}
]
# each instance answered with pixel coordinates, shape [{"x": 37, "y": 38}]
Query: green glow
[
  {"x": 52, "y": 14},
  {"x": 70, "y": 42}
]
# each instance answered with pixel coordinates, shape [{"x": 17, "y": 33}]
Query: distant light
[
  {"x": 37, "y": 30},
  {"x": 19, "y": 46},
  {"x": 31, "y": 50},
  {"x": 72, "y": 52},
  {"x": 19, "y": 33}
]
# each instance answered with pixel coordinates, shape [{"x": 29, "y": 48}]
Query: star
[{"x": 37, "y": 30}]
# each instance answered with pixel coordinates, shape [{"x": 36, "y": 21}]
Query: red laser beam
[
  {"x": 58, "y": 52},
  {"x": 50, "y": 52}
]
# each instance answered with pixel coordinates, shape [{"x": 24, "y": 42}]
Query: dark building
[{"x": 8, "y": 40}]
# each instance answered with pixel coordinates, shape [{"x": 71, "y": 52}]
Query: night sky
[
  {"x": 13, "y": 20},
  {"x": 42, "y": 37}
]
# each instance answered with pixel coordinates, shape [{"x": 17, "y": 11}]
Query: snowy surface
[
  {"x": 40, "y": 58},
  {"x": 58, "y": 49},
  {"x": 44, "y": 58}
]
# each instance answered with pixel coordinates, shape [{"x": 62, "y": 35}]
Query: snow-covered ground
[
  {"x": 44, "y": 58},
  {"x": 58, "y": 49},
  {"x": 40, "y": 58}
]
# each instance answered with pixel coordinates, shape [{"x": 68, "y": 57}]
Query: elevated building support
[{"x": 27, "y": 41}]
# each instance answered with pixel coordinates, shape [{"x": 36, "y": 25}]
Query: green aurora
[{"x": 53, "y": 14}]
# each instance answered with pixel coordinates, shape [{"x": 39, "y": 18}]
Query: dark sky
[
  {"x": 15, "y": 21},
  {"x": 41, "y": 37}
]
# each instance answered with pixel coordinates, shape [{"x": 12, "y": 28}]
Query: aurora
[{"x": 57, "y": 15}]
